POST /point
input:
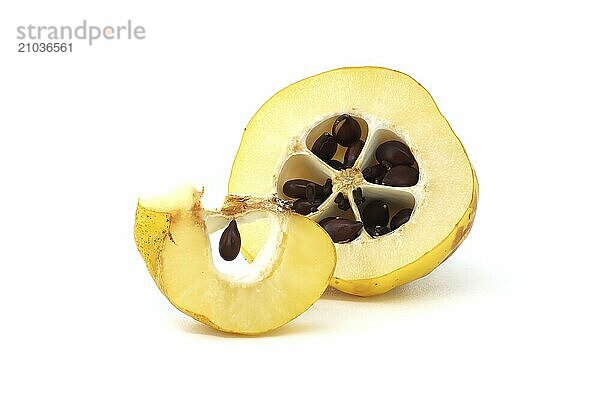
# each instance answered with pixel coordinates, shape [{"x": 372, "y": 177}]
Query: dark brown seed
[
  {"x": 302, "y": 206},
  {"x": 375, "y": 173},
  {"x": 358, "y": 196},
  {"x": 342, "y": 202},
  {"x": 230, "y": 242},
  {"x": 324, "y": 147},
  {"x": 335, "y": 164},
  {"x": 346, "y": 130},
  {"x": 344, "y": 205},
  {"x": 296, "y": 188},
  {"x": 325, "y": 220},
  {"x": 401, "y": 175},
  {"x": 311, "y": 192},
  {"x": 376, "y": 213},
  {"x": 375, "y": 231},
  {"x": 394, "y": 153},
  {"x": 400, "y": 218},
  {"x": 342, "y": 230},
  {"x": 305, "y": 207},
  {"x": 352, "y": 153},
  {"x": 327, "y": 188}
]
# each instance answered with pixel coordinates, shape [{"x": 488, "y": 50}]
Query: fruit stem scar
[{"x": 235, "y": 205}]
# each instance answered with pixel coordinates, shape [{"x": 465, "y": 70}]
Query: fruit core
[{"x": 352, "y": 175}]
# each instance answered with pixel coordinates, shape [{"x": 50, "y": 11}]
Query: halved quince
[
  {"x": 288, "y": 274},
  {"x": 365, "y": 152}
]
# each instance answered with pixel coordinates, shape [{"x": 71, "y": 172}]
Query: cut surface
[
  {"x": 392, "y": 107},
  {"x": 291, "y": 271}
]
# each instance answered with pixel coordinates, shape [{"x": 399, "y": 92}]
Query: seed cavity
[
  {"x": 396, "y": 166},
  {"x": 375, "y": 214},
  {"x": 230, "y": 242}
]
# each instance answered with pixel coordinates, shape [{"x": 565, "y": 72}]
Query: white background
[{"x": 512, "y": 314}]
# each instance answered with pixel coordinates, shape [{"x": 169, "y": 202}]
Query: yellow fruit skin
[
  {"x": 419, "y": 268},
  {"x": 151, "y": 229}
]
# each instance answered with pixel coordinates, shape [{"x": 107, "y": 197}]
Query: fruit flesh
[
  {"x": 420, "y": 267},
  {"x": 394, "y": 107},
  {"x": 284, "y": 280}
]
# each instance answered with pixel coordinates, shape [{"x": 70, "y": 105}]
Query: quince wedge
[{"x": 289, "y": 273}]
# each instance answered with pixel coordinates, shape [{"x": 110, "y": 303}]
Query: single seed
[
  {"x": 230, "y": 242},
  {"x": 325, "y": 220},
  {"x": 324, "y": 147},
  {"x": 375, "y": 173},
  {"x": 384, "y": 230},
  {"x": 401, "y": 176},
  {"x": 342, "y": 230},
  {"x": 394, "y": 153},
  {"x": 327, "y": 188},
  {"x": 335, "y": 164},
  {"x": 344, "y": 205},
  {"x": 305, "y": 207},
  {"x": 375, "y": 231},
  {"x": 352, "y": 153},
  {"x": 311, "y": 192},
  {"x": 376, "y": 213},
  {"x": 358, "y": 196},
  {"x": 400, "y": 218},
  {"x": 296, "y": 188},
  {"x": 342, "y": 202},
  {"x": 346, "y": 130}
]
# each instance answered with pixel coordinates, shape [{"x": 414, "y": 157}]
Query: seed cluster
[
  {"x": 309, "y": 195},
  {"x": 376, "y": 216},
  {"x": 395, "y": 167},
  {"x": 346, "y": 133}
]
